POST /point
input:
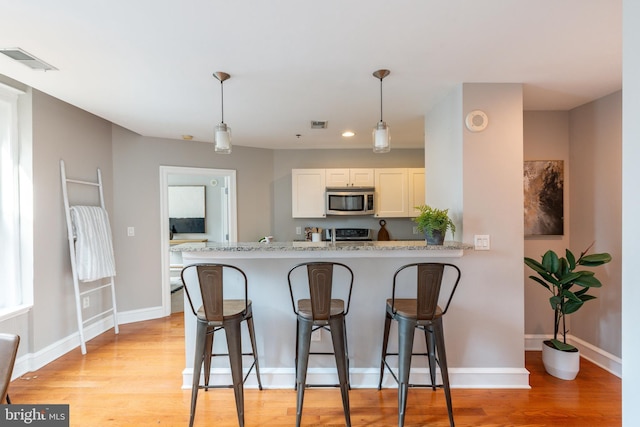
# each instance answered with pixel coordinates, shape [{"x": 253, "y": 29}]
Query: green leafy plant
[
  {"x": 559, "y": 276},
  {"x": 431, "y": 219}
]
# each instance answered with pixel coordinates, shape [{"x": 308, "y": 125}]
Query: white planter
[{"x": 561, "y": 364}]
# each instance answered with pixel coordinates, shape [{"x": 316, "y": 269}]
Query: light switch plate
[{"x": 482, "y": 242}]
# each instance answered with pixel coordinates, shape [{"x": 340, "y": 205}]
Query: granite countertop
[{"x": 375, "y": 246}]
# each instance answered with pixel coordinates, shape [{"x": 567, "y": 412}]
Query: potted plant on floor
[
  {"x": 560, "y": 277},
  {"x": 434, "y": 223}
]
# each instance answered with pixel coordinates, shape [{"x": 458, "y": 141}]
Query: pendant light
[
  {"x": 381, "y": 133},
  {"x": 222, "y": 136}
]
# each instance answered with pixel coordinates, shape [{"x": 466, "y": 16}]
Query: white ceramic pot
[{"x": 561, "y": 364}]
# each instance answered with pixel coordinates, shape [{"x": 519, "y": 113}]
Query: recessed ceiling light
[
  {"x": 187, "y": 137},
  {"x": 348, "y": 133}
]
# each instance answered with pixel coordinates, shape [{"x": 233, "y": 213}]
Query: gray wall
[
  {"x": 596, "y": 214},
  {"x": 589, "y": 140},
  {"x": 488, "y": 166},
  {"x": 83, "y": 141},
  {"x": 136, "y": 181},
  {"x": 546, "y": 137}
]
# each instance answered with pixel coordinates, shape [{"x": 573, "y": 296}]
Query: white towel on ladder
[{"x": 94, "y": 250}]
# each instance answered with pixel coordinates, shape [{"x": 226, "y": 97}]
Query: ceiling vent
[
  {"x": 319, "y": 124},
  {"x": 27, "y": 59}
]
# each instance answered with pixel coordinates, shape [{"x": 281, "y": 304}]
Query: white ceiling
[{"x": 147, "y": 65}]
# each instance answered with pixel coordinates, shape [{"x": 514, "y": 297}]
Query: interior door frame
[{"x": 232, "y": 216}]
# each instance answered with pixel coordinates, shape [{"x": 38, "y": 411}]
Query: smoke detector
[
  {"x": 319, "y": 124},
  {"x": 27, "y": 59}
]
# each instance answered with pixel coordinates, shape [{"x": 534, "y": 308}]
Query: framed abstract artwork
[
  {"x": 187, "y": 208},
  {"x": 543, "y": 197}
]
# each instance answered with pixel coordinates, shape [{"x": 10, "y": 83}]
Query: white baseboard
[
  {"x": 141, "y": 315},
  {"x": 33, "y": 361},
  {"x": 275, "y": 378},
  {"x": 603, "y": 359}
]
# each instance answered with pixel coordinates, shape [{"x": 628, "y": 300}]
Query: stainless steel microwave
[{"x": 350, "y": 201}]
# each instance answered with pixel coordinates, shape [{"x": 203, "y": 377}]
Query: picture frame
[
  {"x": 187, "y": 208},
  {"x": 543, "y": 182}
]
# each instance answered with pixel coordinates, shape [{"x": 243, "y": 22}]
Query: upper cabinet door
[
  {"x": 343, "y": 178},
  {"x": 361, "y": 177},
  {"x": 392, "y": 192},
  {"x": 307, "y": 193},
  {"x": 337, "y": 177}
]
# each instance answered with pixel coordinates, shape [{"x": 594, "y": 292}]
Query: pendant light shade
[
  {"x": 381, "y": 133},
  {"x": 222, "y": 136}
]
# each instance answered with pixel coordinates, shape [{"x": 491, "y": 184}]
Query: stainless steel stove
[{"x": 349, "y": 234}]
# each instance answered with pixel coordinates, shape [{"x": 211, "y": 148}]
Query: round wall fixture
[
  {"x": 214, "y": 182},
  {"x": 476, "y": 121}
]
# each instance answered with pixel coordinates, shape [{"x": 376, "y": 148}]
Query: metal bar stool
[
  {"x": 321, "y": 310},
  {"x": 423, "y": 313},
  {"x": 206, "y": 281}
]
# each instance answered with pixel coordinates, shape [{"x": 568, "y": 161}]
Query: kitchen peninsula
[{"x": 266, "y": 266}]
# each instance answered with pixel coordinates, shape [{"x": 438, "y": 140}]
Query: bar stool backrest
[
  {"x": 320, "y": 285},
  {"x": 320, "y": 280},
  {"x": 429, "y": 284},
  {"x": 210, "y": 279}
]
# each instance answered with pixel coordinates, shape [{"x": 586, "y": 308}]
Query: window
[{"x": 11, "y": 289}]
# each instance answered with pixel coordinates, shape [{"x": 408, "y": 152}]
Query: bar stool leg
[
  {"x": 406, "y": 330},
  {"x": 304, "y": 342},
  {"x": 252, "y": 337},
  {"x": 338, "y": 335},
  {"x": 234, "y": 343},
  {"x": 208, "y": 348},
  {"x": 201, "y": 336},
  {"x": 431, "y": 350},
  {"x": 346, "y": 348},
  {"x": 385, "y": 343},
  {"x": 442, "y": 357},
  {"x": 295, "y": 362}
]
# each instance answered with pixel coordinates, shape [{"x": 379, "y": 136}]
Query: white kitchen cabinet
[
  {"x": 398, "y": 191},
  {"x": 307, "y": 193},
  {"x": 416, "y": 190},
  {"x": 358, "y": 177},
  {"x": 392, "y": 192}
]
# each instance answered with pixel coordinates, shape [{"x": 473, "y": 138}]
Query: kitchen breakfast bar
[{"x": 266, "y": 266}]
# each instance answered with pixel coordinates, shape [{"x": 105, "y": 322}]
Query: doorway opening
[{"x": 217, "y": 204}]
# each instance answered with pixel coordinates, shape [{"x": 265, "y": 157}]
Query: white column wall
[{"x": 488, "y": 315}]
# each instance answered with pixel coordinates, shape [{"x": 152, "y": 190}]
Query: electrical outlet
[
  {"x": 86, "y": 302},
  {"x": 316, "y": 335},
  {"x": 131, "y": 231},
  {"x": 298, "y": 230},
  {"x": 415, "y": 230}
]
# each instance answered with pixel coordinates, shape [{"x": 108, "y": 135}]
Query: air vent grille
[
  {"x": 26, "y": 58},
  {"x": 319, "y": 124}
]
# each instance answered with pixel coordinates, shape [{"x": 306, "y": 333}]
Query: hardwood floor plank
[{"x": 134, "y": 379}]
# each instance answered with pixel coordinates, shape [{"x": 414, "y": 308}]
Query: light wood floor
[{"x": 134, "y": 379}]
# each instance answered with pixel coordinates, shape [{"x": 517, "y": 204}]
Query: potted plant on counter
[
  {"x": 560, "y": 277},
  {"x": 434, "y": 223}
]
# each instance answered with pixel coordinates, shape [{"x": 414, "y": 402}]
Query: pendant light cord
[
  {"x": 222, "y": 99},
  {"x": 380, "y": 100}
]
